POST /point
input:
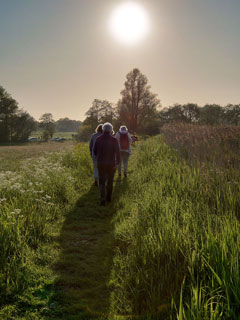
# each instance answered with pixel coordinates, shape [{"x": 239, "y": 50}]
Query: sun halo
[{"x": 129, "y": 23}]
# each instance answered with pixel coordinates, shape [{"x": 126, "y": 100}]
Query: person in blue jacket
[{"x": 94, "y": 136}]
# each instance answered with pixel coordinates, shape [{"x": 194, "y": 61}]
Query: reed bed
[
  {"x": 177, "y": 236},
  {"x": 216, "y": 145}
]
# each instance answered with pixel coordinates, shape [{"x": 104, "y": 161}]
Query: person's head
[
  {"x": 107, "y": 127},
  {"x": 99, "y": 128},
  {"x": 123, "y": 129}
]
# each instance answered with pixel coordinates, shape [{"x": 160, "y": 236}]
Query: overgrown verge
[
  {"x": 177, "y": 240},
  {"x": 215, "y": 146},
  {"x": 32, "y": 204}
]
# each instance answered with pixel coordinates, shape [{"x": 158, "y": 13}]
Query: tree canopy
[
  {"x": 140, "y": 110},
  {"x": 138, "y": 106},
  {"x": 67, "y": 125},
  {"x": 101, "y": 111},
  {"x": 46, "y": 122},
  {"x": 210, "y": 114},
  {"x": 15, "y": 124}
]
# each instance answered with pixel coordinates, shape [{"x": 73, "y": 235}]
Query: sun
[{"x": 129, "y": 23}]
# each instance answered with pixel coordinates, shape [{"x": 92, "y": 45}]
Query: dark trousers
[{"x": 106, "y": 174}]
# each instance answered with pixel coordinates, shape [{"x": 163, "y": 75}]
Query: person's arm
[
  {"x": 129, "y": 138},
  {"x": 95, "y": 147},
  {"x": 91, "y": 145},
  {"x": 117, "y": 137}
]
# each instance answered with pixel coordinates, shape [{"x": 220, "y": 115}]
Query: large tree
[
  {"x": 172, "y": 113},
  {"x": 67, "y": 125},
  {"x": 15, "y": 124},
  {"x": 211, "y": 114},
  {"x": 8, "y": 109},
  {"x": 23, "y": 125},
  {"x": 47, "y": 124},
  {"x": 101, "y": 111},
  {"x": 191, "y": 112},
  {"x": 232, "y": 114},
  {"x": 138, "y": 104}
]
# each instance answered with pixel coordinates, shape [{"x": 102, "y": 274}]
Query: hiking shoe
[
  {"x": 125, "y": 175},
  {"x": 102, "y": 203}
]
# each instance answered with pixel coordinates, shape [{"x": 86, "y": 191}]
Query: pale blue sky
[{"x": 58, "y": 55}]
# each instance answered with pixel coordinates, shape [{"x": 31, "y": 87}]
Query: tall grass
[
  {"x": 216, "y": 145},
  {"x": 31, "y": 200},
  {"x": 177, "y": 240}
]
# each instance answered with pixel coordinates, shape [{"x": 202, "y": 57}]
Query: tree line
[
  {"x": 16, "y": 125},
  {"x": 210, "y": 114},
  {"x": 141, "y": 110},
  {"x": 138, "y": 108}
]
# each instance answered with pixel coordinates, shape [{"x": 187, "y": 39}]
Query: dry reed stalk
[{"x": 216, "y": 145}]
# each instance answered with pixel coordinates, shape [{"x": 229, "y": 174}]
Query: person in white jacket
[{"x": 124, "y": 139}]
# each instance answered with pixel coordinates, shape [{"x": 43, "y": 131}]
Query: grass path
[{"x": 84, "y": 266}]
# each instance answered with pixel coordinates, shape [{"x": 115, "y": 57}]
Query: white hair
[
  {"x": 107, "y": 127},
  {"x": 123, "y": 128}
]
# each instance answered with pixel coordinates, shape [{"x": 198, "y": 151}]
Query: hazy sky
[{"x": 59, "y": 55}]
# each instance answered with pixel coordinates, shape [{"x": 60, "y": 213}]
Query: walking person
[
  {"x": 134, "y": 137},
  {"x": 94, "y": 136},
  {"x": 124, "y": 139},
  {"x": 106, "y": 149}
]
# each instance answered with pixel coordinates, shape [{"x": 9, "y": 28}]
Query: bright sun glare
[{"x": 129, "y": 23}]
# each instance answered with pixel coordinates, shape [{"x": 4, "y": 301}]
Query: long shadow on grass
[{"x": 81, "y": 290}]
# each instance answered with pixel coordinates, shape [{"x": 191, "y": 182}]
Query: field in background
[
  {"x": 11, "y": 157},
  {"x": 66, "y": 135}
]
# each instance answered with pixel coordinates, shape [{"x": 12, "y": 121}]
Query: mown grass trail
[{"x": 84, "y": 266}]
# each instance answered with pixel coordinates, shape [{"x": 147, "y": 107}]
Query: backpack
[{"x": 124, "y": 143}]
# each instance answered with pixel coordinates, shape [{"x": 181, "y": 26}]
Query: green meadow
[
  {"x": 58, "y": 134},
  {"x": 167, "y": 247}
]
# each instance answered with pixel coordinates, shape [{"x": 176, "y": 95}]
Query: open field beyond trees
[
  {"x": 167, "y": 247},
  {"x": 57, "y": 134}
]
